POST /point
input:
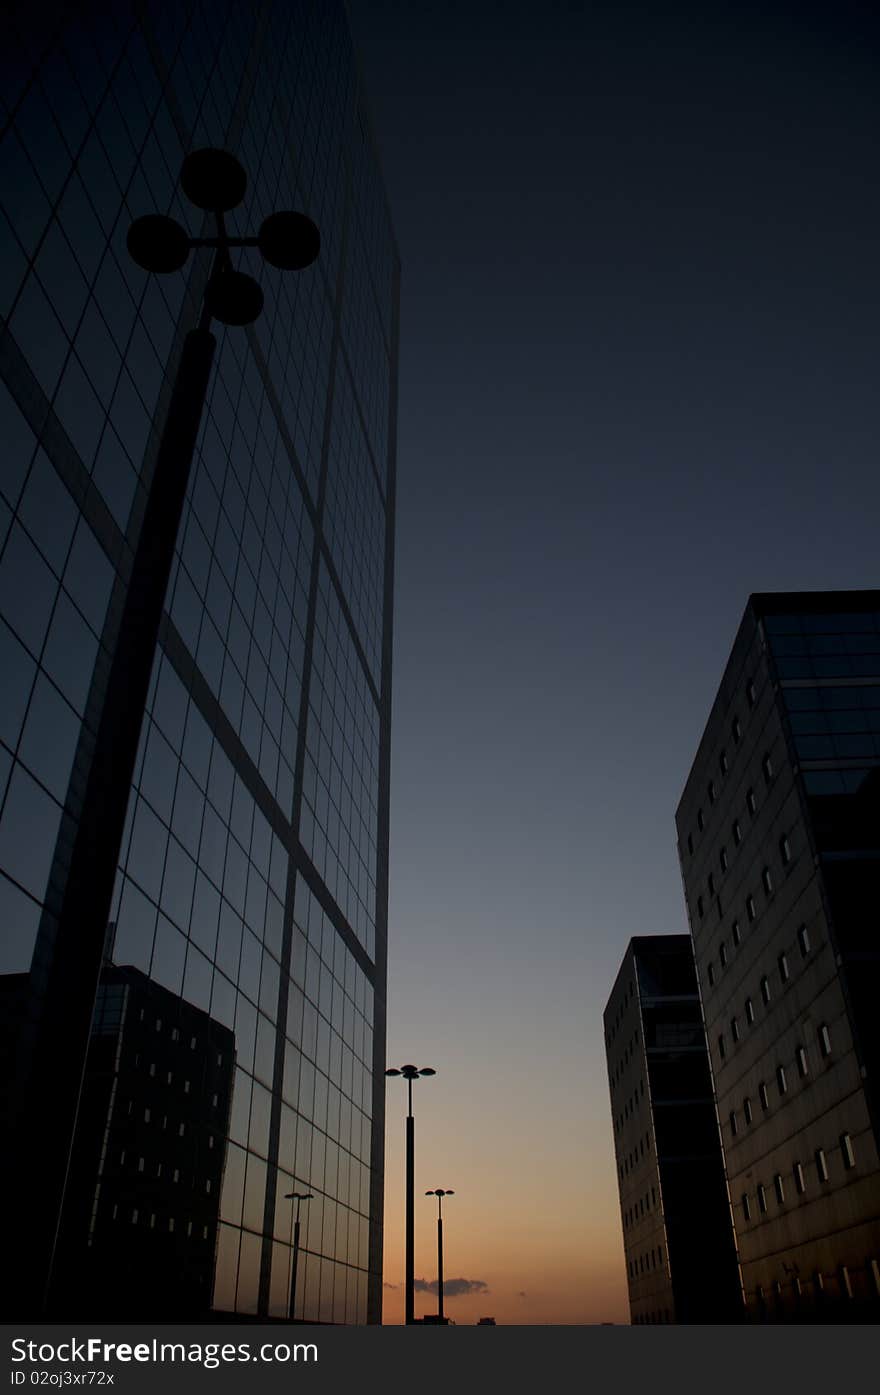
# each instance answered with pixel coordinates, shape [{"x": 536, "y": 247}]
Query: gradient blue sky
[{"x": 638, "y": 380}]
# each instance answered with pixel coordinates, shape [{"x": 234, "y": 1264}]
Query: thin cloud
[{"x": 452, "y": 1288}]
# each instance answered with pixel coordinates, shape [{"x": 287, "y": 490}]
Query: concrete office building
[
  {"x": 678, "y": 1239},
  {"x": 252, "y": 863},
  {"x": 779, "y": 840}
]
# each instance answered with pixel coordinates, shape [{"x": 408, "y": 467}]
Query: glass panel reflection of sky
[{"x": 207, "y": 902}]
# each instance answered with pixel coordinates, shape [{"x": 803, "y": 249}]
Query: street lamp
[
  {"x": 299, "y": 1198},
  {"x": 440, "y": 1193},
  {"x": 410, "y": 1073},
  {"x": 65, "y": 980}
]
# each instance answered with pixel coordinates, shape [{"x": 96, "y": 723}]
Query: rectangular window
[
  {"x": 722, "y": 858},
  {"x": 845, "y": 1285},
  {"x": 767, "y": 767},
  {"x": 765, "y": 989},
  {"x": 751, "y": 802},
  {"x": 783, "y": 968},
  {"x": 747, "y": 1210},
  {"x": 736, "y": 832},
  {"x": 824, "y": 1040},
  {"x": 750, "y": 1011},
  {"x": 722, "y": 955},
  {"x": 733, "y": 1125},
  {"x": 799, "y": 1183},
  {"x": 710, "y": 974},
  {"x": 846, "y": 1149},
  {"x": 735, "y": 729},
  {"x": 779, "y": 1188},
  {"x": 767, "y": 880},
  {"x": 750, "y": 907},
  {"x": 780, "y": 1080},
  {"x": 711, "y": 791},
  {"x": 747, "y": 1109},
  {"x": 803, "y": 940},
  {"x": 821, "y": 1165},
  {"x": 803, "y": 1064},
  {"x": 734, "y": 1028},
  {"x": 763, "y": 1096},
  {"x": 734, "y": 930},
  {"x": 762, "y": 1199},
  {"x": 785, "y": 850},
  {"x": 723, "y": 763},
  {"x": 721, "y": 1045}
]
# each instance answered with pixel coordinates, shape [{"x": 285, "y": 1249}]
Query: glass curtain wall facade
[
  {"x": 252, "y": 873},
  {"x": 779, "y": 840}
]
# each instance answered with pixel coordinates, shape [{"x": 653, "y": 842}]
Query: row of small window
[
  {"x": 135, "y": 1219},
  {"x": 724, "y": 763},
  {"x": 625, "y": 1059},
  {"x": 766, "y": 995},
  {"x": 799, "y": 1177},
  {"x": 175, "y": 1171},
  {"x": 618, "y": 1017},
  {"x": 803, "y": 1067},
  {"x": 640, "y": 1208},
  {"x": 632, "y": 1158},
  {"x": 803, "y": 938},
  {"x": 724, "y": 861},
  {"x": 817, "y": 1281},
  {"x": 645, "y": 1263},
  {"x": 652, "y": 1319},
  {"x": 630, "y": 1106},
  {"x": 181, "y": 1128}
]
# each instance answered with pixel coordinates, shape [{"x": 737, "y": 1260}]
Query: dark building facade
[
  {"x": 146, "y": 1175},
  {"x": 252, "y": 869},
  {"x": 677, "y": 1232},
  {"x": 779, "y": 840}
]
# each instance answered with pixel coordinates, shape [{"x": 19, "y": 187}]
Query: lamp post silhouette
[
  {"x": 299, "y": 1198},
  {"x": 410, "y": 1073},
  {"x": 65, "y": 977},
  {"x": 440, "y": 1193}
]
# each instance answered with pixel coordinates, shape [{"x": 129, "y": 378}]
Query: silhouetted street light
[
  {"x": 410, "y": 1073},
  {"x": 299, "y": 1198},
  {"x": 66, "y": 984},
  {"x": 440, "y": 1193}
]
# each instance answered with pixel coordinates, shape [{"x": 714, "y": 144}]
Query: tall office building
[
  {"x": 252, "y": 867},
  {"x": 779, "y": 839},
  {"x": 677, "y": 1233}
]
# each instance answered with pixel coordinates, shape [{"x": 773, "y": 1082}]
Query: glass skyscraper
[{"x": 253, "y": 863}]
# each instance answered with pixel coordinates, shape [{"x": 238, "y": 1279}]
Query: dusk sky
[{"x": 638, "y": 381}]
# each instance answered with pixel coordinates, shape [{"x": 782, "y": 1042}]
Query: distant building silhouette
[
  {"x": 779, "y": 840},
  {"x": 678, "y": 1239}
]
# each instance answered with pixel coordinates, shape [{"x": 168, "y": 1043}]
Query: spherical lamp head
[
  {"x": 233, "y": 298},
  {"x": 213, "y": 180},
  {"x": 157, "y": 243},
  {"x": 289, "y": 241}
]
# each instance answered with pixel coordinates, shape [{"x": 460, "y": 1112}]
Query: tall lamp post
[
  {"x": 299, "y": 1198},
  {"x": 440, "y": 1193},
  {"x": 64, "y": 982},
  {"x": 410, "y": 1073}
]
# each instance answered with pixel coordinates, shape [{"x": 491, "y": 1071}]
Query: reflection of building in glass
[
  {"x": 140, "y": 1232},
  {"x": 252, "y": 879},
  {"x": 678, "y": 1240},
  {"x": 779, "y": 839}
]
